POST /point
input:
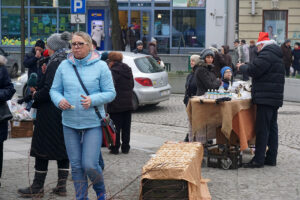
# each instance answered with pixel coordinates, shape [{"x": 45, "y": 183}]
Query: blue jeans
[{"x": 83, "y": 148}]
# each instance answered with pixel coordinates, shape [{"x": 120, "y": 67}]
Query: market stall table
[{"x": 236, "y": 116}]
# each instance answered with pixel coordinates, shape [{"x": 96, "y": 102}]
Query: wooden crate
[
  {"x": 164, "y": 189},
  {"x": 21, "y": 129}
]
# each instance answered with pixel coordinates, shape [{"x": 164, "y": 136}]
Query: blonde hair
[
  {"x": 3, "y": 60},
  {"x": 86, "y": 37}
]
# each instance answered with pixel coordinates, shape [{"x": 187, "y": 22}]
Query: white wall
[{"x": 215, "y": 21}]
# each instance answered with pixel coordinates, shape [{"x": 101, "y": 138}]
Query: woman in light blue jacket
[{"x": 82, "y": 132}]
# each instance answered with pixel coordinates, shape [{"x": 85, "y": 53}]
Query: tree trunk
[{"x": 116, "y": 33}]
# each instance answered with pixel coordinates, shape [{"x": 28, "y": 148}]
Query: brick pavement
[{"x": 152, "y": 126}]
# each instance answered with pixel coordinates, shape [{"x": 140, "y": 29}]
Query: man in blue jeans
[{"x": 267, "y": 72}]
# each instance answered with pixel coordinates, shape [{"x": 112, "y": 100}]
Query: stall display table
[
  {"x": 174, "y": 172},
  {"x": 236, "y": 116}
]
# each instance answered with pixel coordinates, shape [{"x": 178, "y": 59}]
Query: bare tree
[{"x": 116, "y": 33}]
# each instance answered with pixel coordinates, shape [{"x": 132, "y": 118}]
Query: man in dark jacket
[
  {"x": 252, "y": 51},
  {"x": 267, "y": 72},
  {"x": 31, "y": 59},
  {"x": 140, "y": 48},
  {"x": 287, "y": 56},
  {"x": 120, "y": 108}
]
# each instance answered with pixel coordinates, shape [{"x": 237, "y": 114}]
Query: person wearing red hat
[{"x": 268, "y": 77}]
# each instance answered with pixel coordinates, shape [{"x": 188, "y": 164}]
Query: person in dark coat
[
  {"x": 296, "y": 60},
  {"x": 120, "y": 108},
  {"x": 267, "y": 72},
  {"x": 140, "y": 48},
  {"x": 48, "y": 139},
  {"x": 153, "y": 50},
  {"x": 287, "y": 56},
  {"x": 6, "y": 92},
  {"x": 218, "y": 61},
  {"x": 226, "y": 56},
  {"x": 252, "y": 51},
  {"x": 205, "y": 76},
  {"x": 131, "y": 37}
]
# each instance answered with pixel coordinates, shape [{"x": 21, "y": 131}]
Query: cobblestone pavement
[{"x": 151, "y": 126}]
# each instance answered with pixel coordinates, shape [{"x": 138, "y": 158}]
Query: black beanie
[{"x": 40, "y": 43}]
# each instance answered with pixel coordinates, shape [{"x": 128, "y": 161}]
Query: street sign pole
[
  {"x": 77, "y": 27},
  {"x": 78, "y": 9}
]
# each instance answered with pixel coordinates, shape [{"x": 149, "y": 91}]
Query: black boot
[
  {"x": 37, "y": 187},
  {"x": 60, "y": 188},
  {"x": 186, "y": 139}
]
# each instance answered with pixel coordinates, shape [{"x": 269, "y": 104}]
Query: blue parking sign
[{"x": 78, "y": 6}]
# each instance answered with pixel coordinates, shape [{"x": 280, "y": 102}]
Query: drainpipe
[
  {"x": 253, "y": 7},
  {"x": 237, "y": 20},
  {"x": 226, "y": 23}
]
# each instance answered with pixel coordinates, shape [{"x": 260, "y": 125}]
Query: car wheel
[
  {"x": 14, "y": 70},
  {"x": 135, "y": 102},
  {"x": 25, "y": 88}
]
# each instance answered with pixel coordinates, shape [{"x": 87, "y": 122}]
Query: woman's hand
[
  {"x": 86, "y": 101},
  {"x": 64, "y": 104}
]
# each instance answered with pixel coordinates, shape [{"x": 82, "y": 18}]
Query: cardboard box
[{"x": 21, "y": 129}]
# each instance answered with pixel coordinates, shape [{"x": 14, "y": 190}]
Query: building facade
[
  {"x": 280, "y": 18},
  {"x": 179, "y": 26}
]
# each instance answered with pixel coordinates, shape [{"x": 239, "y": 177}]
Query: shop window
[
  {"x": 11, "y": 26},
  {"x": 12, "y": 3},
  {"x": 188, "y": 28},
  {"x": 163, "y": 44},
  {"x": 275, "y": 23},
  {"x": 122, "y": 4},
  {"x": 65, "y": 22},
  {"x": 43, "y": 23},
  {"x": 136, "y": 22},
  {"x": 162, "y": 4},
  {"x": 162, "y": 22},
  {"x": 189, "y": 3},
  {"x": 41, "y": 3},
  {"x": 140, "y": 4},
  {"x": 64, "y": 2},
  {"x": 123, "y": 18}
]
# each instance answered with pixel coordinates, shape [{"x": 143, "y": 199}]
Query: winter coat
[
  {"x": 206, "y": 78},
  {"x": 238, "y": 55},
  {"x": 219, "y": 63},
  {"x": 153, "y": 51},
  {"x": 31, "y": 62},
  {"x": 287, "y": 55},
  {"x": 296, "y": 61},
  {"x": 48, "y": 139},
  {"x": 131, "y": 39},
  {"x": 253, "y": 53},
  {"x": 267, "y": 72},
  {"x": 143, "y": 51},
  {"x": 190, "y": 86},
  {"x": 6, "y": 92},
  {"x": 246, "y": 53},
  {"x": 123, "y": 81},
  {"x": 96, "y": 77},
  {"x": 227, "y": 57}
]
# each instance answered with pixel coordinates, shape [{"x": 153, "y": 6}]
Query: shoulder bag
[
  {"x": 107, "y": 124},
  {"x": 5, "y": 113}
]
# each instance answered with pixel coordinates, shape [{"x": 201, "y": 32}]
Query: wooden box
[
  {"x": 225, "y": 159},
  {"x": 164, "y": 189},
  {"x": 21, "y": 129}
]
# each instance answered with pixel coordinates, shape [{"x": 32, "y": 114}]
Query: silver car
[{"x": 150, "y": 80}]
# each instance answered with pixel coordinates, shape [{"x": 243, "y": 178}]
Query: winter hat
[
  {"x": 207, "y": 52},
  {"x": 32, "y": 81},
  {"x": 214, "y": 45},
  {"x": 195, "y": 58},
  {"x": 139, "y": 42},
  {"x": 243, "y": 41},
  {"x": 104, "y": 56},
  {"x": 263, "y": 38},
  {"x": 223, "y": 70},
  {"x": 58, "y": 41},
  {"x": 153, "y": 39},
  {"x": 287, "y": 41},
  {"x": 236, "y": 41},
  {"x": 40, "y": 43}
]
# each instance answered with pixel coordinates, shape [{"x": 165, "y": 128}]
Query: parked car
[
  {"x": 151, "y": 84},
  {"x": 12, "y": 64}
]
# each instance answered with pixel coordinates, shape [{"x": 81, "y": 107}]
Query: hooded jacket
[
  {"x": 96, "y": 77},
  {"x": 123, "y": 81},
  {"x": 206, "y": 78},
  {"x": 267, "y": 72}
]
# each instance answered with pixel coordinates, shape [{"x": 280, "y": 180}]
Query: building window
[
  {"x": 41, "y": 3},
  {"x": 188, "y": 28},
  {"x": 12, "y": 3},
  {"x": 11, "y": 26},
  {"x": 162, "y": 22},
  {"x": 275, "y": 23}
]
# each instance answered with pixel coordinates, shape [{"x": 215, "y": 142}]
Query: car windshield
[{"x": 148, "y": 65}]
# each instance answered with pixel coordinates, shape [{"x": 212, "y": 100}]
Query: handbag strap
[{"x": 86, "y": 91}]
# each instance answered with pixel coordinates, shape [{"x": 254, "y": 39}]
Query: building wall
[{"x": 251, "y": 25}]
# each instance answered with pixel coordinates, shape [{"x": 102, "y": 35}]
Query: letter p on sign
[{"x": 77, "y": 6}]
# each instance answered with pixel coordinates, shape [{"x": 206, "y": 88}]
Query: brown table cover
[
  {"x": 179, "y": 161},
  {"x": 236, "y": 115}
]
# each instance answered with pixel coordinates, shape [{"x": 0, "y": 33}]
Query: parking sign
[{"x": 77, "y": 6}]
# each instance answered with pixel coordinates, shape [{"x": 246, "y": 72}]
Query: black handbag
[
  {"x": 5, "y": 113},
  {"x": 107, "y": 124}
]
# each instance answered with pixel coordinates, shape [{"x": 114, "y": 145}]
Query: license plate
[{"x": 165, "y": 92}]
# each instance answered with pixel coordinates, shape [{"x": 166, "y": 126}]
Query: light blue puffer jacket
[{"x": 96, "y": 77}]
